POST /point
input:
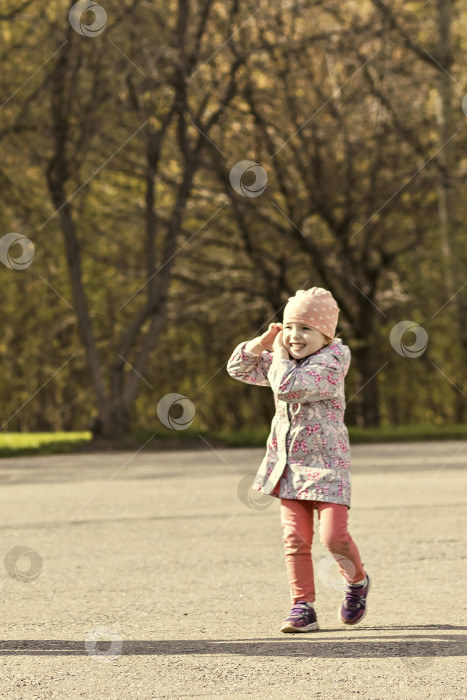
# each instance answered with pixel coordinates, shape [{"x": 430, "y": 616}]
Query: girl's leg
[
  {"x": 335, "y": 536},
  {"x": 297, "y": 525}
]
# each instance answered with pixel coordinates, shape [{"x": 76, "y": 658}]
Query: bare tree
[
  {"x": 440, "y": 60},
  {"x": 331, "y": 198},
  {"x": 172, "y": 130}
]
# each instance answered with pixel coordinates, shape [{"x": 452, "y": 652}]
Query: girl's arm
[
  {"x": 318, "y": 380},
  {"x": 250, "y": 361},
  {"x": 249, "y": 367}
]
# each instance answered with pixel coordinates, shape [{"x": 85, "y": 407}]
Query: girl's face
[{"x": 301, "y": 340}]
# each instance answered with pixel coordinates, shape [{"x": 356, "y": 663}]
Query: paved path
[{"x": 156, "y": 575}]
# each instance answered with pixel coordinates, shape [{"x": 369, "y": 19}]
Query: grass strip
[{"x": 17, "y": 444}]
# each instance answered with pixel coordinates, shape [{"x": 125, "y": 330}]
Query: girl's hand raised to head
[
  {"x": 267, "y": 339},
  {"x": 278, "y": 342},
  {"x": 279, "y": 349}
]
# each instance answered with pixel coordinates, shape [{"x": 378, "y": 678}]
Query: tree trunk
[
  {"x": 55, "y": 179},
  {"x": 367, "y": 396},
  {"x": 447, "y": 191},
  {"x": 113, "y": 420},
  {"x": 446, "y": 203}
]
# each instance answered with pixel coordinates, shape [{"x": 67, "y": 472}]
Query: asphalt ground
[{"x": 161, "y": 575}]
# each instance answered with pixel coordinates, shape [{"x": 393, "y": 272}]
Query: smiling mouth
[{"x": 297, "y": 346}]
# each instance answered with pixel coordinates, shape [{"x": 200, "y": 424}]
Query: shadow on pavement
[{"x": 293, "y": 645}]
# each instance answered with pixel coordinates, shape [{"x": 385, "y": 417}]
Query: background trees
[{"x": 149, "y": 267}]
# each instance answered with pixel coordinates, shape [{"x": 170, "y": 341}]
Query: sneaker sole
[
  {"x": 309, "y": 628},
  {"x": 346, "y": 622}
]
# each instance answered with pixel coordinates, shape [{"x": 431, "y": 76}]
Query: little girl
[{"x": 307, "y": 463}]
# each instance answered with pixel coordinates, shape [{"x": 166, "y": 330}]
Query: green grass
[
  {"x": 15, "y": 444},
  {"x": 406, "y": 433},
  {"x": 402, "y": 433}
]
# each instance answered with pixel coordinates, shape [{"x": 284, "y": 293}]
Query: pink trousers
[{"x": 297, "y": 525}]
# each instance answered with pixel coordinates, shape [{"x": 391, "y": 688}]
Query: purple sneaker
[
  {"x": 353, "y": 609},
  {"x": 302, "y": 618}
]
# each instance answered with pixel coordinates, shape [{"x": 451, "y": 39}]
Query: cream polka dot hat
[{"x": 316, "y": 307}]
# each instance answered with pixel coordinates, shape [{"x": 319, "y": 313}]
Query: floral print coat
[{"x": 308, "y": 452}]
